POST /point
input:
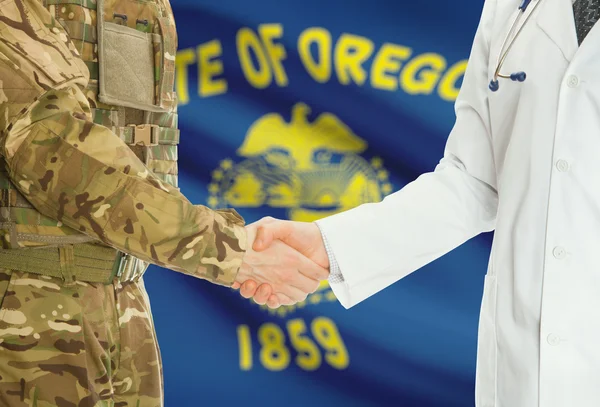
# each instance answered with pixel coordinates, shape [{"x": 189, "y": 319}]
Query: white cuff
[{"x": 335, "y": 274}]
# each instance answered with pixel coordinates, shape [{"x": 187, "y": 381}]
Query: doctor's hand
[
  {"x": 304, "y": 237},
  {"x": 287, "y": 275}
]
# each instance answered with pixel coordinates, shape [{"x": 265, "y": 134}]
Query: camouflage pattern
[
  {"x": 69, "y": 176},
  {"x": 79, "y": 173},
  {"x": 164, "y": 52},
  {"x": 87, "y": 345}
]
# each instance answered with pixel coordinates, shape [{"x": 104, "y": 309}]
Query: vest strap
[
  {"x": 81, "y": 31},
  {"x": 66, "y": 255},
  {"x": 147, "y": 134}
]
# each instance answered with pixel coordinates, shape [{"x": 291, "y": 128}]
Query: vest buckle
[{"x": 145, "y": 134}]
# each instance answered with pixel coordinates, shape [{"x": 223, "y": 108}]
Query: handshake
[{"x": 284, "y": 262}]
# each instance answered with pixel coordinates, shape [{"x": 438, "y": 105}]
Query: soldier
[{"x": 89, "y": 197}]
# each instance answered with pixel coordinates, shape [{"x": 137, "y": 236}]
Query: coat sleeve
[
  {"x": 377, "y": 244},
  {"x": 82, "y": 174}
]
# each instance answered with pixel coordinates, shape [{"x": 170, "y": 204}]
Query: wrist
[{"x": 244, "y": 272}]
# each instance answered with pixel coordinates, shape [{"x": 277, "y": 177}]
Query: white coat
[{"x": 524, "y": 161}]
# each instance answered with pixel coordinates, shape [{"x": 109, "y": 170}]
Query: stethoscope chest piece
[{"x": 515, "y": 77}]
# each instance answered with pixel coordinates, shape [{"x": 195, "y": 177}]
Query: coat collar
[{"x": 555, "y": 18}]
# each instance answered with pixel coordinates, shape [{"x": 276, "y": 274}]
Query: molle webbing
[
  {"x": 161, "y": 135},
  {"x": 9, "y": 195},
  {"x": 156, "y": 134},
  {"x": 81, "y": 31},
  {"x": 35, "y": 243}
]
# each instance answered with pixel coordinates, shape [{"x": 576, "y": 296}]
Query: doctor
[{"x": 524, "y": 159}]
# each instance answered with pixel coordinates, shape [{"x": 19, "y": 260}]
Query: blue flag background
[{"x": 300, "y": 110}]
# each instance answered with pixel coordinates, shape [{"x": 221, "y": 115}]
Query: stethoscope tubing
[{"x": 505, "y": 49}]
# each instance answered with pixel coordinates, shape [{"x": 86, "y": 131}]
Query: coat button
[
  {"x": 562, "y": 165},
  {"x": 553, "y": 339},
  {"x": 573, "y": 81},
  {"x": 559, "y": 252}
]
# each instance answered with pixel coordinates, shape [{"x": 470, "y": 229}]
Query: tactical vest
[{"x": 129, "y": 47}]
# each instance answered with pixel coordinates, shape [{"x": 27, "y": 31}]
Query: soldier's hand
[
  {"x": 262, "y": 294},
  {"x": 290, "y": 275}
]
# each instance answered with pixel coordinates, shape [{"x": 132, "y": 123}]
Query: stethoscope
[{"x": 517, "y": 76}]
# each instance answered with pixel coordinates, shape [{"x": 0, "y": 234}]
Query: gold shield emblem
[{"x": 312, "y": 170}]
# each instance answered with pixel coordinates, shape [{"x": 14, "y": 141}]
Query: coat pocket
[
  {"x": 485, "y": 381},
  {"x": 136, "y": 62}
]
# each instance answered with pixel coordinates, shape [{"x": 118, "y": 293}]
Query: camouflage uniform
[{"x": 90, "y": 171}]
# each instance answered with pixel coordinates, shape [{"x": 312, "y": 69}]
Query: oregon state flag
[{"x": 300, "y": 110}]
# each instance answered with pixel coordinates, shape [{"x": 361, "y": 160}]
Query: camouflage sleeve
[{"x": 81, "y": 173}]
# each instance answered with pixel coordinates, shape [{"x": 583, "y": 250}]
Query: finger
[
  {"x": 248, "y": 289},
  {"x": 303, "y": 283},
  {"x": 311, "y": 269},
  {"x": 269, "y": 231},
  {"x": 264, "y": 221},
  {"x": 236, "y": 285},
  {"x": 262, "y": 294},
  {"x": 293, "y": 293},
  {"x": 273, "y": 302},
  {"x": 267, "y": 219},
  {"x": 284, "y": 299},
  {"x": 263, "y": 240},
  {"x": 316, "y": 288}
]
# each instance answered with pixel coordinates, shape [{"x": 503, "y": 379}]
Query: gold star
[
  {"x": 315, "y": 298},
  {"x": 226, "y": 164},
  {"x": 213, "y": 188},
  {"x": 377, "y": 163},
  {"x": 217, "y": 175},
  {"x": 382, "y": 175},
  {"x": 324, "y": 285},
  {"x": 387, "y": 188},
  {"x": 330, "y": 296},
  {"x": 213, "y": 201}
]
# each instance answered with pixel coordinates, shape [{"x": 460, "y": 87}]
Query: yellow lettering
[
  {"x": 415, "y": 79},
  {"x": 328, "y": 336},
  {"x": 245, "y": 345},
  {"x": 387, "y": 65},
  {"x": 185, "y": 57},
  {"x": 309, "y": 356},
  {"x": 447, "y": 89},
  {"x": 275, "y": 52},
  {"x": 351, "y": 51},
  {"x": 260, "y": 77},
  {"x": 274, "y": 355},
  {"x": 321, "y": 70},
  {"x": 209, "y": 68}
]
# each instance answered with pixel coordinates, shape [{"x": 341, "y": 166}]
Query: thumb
[
  {"x": 264, "y": 237},
  {"x": 274, "y": 230}
]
